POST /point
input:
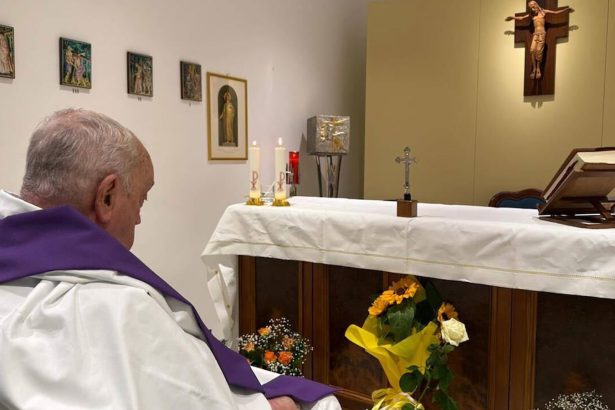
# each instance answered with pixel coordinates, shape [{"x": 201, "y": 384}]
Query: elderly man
[{"x": 85, "y": 324}]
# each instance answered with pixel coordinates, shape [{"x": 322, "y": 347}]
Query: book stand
[{"x": 581, "y": 199}]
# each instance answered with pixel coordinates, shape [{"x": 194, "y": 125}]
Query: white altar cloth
[{"x": 494, "y": 246}]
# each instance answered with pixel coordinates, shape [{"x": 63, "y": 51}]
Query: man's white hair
[{"x": 72, "y": 151}]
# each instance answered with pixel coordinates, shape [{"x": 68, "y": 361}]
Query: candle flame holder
[
  {"x": 280, "y": 202},
  {"x": 255, "y": 202}
]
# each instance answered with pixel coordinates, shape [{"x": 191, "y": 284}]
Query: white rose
[{"x": 454, "y": 332}]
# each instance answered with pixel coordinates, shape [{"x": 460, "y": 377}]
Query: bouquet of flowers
[
  {"x": 276, "y": 348},
  {"x": 577, "y": 401},
  {"x": 411, "y": 332}
]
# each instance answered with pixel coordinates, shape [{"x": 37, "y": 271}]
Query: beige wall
[{"x": 455, "y": 85}]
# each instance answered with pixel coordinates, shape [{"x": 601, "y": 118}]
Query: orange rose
[
  {"x": 249, "y": 347},
  {"x": 269, "y": 357},
  {"x": 264, "y": 331},
  {"x": 285, "y": 358},
  {"x": 288, "y": 342}
]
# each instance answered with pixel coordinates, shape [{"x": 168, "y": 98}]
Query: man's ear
[{"x": 106, "y": 197}]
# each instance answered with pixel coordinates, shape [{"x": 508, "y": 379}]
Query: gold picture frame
[{"x": 227, "y": 117}]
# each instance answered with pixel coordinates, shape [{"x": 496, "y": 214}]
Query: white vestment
[{"x": 101, "y": 340}]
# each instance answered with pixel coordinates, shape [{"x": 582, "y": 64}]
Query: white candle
[
  {"x": 280, "y": 171},
  {"x": 254, "y": 154}
]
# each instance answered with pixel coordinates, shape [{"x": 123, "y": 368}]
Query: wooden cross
[{"x": 556, "y": 26}]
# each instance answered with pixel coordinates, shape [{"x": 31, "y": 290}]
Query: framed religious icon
[
  {"x": 140, "y": 74},
  {"x": 190, "y": 76},
  {"x": 227, "y": 109},
  {"x": 75, "y": 63},
  {"x": 7, "y": 51}
]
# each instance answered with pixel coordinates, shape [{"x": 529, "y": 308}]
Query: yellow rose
[{"x": 454, "y": 332}]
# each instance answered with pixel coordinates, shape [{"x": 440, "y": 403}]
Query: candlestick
[
  {"x": 254, "y": 155},
  {"x": 279, "y": 187}
]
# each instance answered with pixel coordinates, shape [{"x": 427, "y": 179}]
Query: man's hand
[{"x": 283, "y": 403}]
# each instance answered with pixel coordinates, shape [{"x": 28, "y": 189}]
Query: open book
[
  {"x": 582, "y": 159},
  {"x": 581, "y": 187}
]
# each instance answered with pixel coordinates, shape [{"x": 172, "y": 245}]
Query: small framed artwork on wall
[
  {"x": 75, "y": 63},
  {"x": 190, "y": 75},
  {"x": 7, "y": 51},
  {"x": 140, "y": 74},
  {"x": 227, "y": 113}
]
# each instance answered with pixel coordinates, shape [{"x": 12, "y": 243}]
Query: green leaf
[
  {"x": 433, "y": 296},
  {"x": 412, "y": 368},
  {"x": 408, "y": 406},
  {"x": 410, "y": 381},
  {"x": 435, "y": 357},
  {"x": 400, "y": 318},
  {"x": 445, "y": 401},
  {"x": 448, "y": 348},
  {"x": 445, "y": 376}
]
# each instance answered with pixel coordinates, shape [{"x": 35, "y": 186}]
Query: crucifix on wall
[{"x": 539, "y": 27}]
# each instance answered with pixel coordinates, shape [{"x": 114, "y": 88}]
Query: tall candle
[
  {"x": 254, "y": 154},
  {"x": 280, "y": 171}
]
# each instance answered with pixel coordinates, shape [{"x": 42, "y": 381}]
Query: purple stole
[{"x": 60, "y": 239}]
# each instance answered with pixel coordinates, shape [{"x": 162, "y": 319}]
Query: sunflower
[
  {"x": 446, "y": 312},
  {"x": 388, "y": 296},
  {"x": 378, "y": 307},
  {"x": 404, "y": 288}
]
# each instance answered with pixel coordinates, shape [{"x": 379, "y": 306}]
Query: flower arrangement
[
  {"x": 276, "y": 348},
  {"x": 411, "y": 331},
  {"x": 577, "y": 401}
]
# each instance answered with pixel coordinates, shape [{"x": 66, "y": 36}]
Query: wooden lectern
[{"x": 578, "y": 193}]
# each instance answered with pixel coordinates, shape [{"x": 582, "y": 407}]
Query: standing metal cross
[{"x": 407, "y": 161}]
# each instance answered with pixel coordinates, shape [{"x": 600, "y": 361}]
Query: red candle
[{"x": 293, "y": 162}]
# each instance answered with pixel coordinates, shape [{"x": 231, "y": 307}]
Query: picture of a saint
[
  {"x": 227, "y": 118},
  {"x": 140, "y": 75},
  {"x": 7, "y": 52},
  {"x": 75, "y": 63},
  {"x": 190, "y": 81}
]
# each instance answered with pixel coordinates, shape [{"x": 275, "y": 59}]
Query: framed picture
[
  {"x": 7, "y": 51},
  {"x": 75, "y": 63},
  {"x": 227, "y": 125},
  {"x": 190, "y": 75},
  {"x": 140, "y": 72}
]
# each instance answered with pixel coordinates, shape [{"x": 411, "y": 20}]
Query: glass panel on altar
[
  {"x": 469, "y": 362},
  {"x": 575, "y": 349},
  {"x": 351, "y": 292},
  {"x": 277, "y": 290}
]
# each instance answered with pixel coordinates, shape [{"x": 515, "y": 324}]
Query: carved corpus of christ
[{"x": 539, "y": 27}]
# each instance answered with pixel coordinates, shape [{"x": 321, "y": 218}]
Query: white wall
[{"x": 300, "y": 58}]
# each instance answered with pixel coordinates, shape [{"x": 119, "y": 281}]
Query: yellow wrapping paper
[
  {"x": 389, "y": 399},
  {"x": 394, "y": 358}
]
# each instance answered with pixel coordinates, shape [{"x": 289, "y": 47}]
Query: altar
[{"x": 318, "y": 262}]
